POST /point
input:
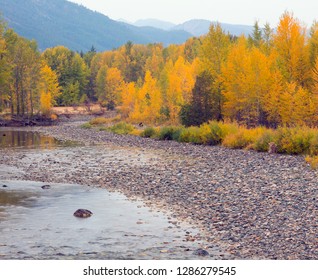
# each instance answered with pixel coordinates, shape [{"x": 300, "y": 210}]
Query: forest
[{"x": 267, "y": 79}]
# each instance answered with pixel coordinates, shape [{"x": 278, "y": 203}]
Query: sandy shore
[{"x": 252, "y": 205}]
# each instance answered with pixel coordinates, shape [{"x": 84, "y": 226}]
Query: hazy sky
[{"x": 227, "y": 11}]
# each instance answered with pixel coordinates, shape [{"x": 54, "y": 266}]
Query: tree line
[{"x": 268, "y": 78}]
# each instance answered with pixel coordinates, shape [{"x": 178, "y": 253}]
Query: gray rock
[
  {"x": 201, "y": 253},
  {"x": 82, "y": 213}
]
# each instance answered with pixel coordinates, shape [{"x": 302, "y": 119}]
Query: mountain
[
  {"x": 164, "y": 25},
  {"x": 198, "y": 27},
  {"x": 59, "y": 22}
]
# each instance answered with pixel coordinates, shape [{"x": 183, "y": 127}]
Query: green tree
[
  {"x": 72, "y": 73},
  {"x": 256, "y": 38},
  {"x": 202, "y": 107}
]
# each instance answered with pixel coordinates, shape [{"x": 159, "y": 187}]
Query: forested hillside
[
  {"x": 59, "y": 22},
  {"x": 265, "y": 79}
]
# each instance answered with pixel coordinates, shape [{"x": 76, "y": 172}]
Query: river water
[{"x": 37, "y": 223}]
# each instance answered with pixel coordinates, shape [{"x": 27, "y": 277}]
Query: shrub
[
  {"x": 262, "y": 142},
  {"x": 207, "y": 134},
  {"x": 295, "y": 140},
  {"x": 313, "y": 161},
  {"x": 122, "y": 128},
  {"x": 313, "y": 147},
  {"x": 236, "y": 140},
  {"x": 228, "y": 128},
  {"x": 169, "y": 133},
  {"x": 215, "y": 135},
  {"x": 190, "y": 135},
  {"x": 243, "y": 138},
  {"x": 148, "y": 132},
  {"x": 86, "y": 126},
  {"x": 99, "y": 121},
  {"x": 53, "y": 117}
]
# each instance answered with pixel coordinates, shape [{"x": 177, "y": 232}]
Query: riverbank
[{"x": 253, "y": 205}]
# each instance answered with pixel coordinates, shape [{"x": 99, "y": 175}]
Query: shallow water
[
  {"x": 29, "y": 140},
  {"x": 39, "y": 224}
]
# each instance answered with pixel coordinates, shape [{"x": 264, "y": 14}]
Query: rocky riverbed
[{"x": 252, "y": 205}]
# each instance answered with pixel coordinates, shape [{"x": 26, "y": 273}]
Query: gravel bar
[{"x": 252, "y": 205}]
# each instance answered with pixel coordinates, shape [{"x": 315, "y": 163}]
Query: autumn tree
[
  {"x": 213, "y": 54},
  {"x": 292, "y": 52},
  {"x": 249, "y": 79},
  {"x": 147, "y": 102},
  {"x": 49, "y": 89},
  {"x": 114, "y": 87},
  {"x": 5, "y": 69},
  {"x": 181, "y": 80},
  {"x": 24, "y": 60},
  {"x": 72, "y": 73},
  {"x": 128, "y": 98}
]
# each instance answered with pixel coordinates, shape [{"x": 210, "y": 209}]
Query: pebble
[{"x": 201, "y": 253}]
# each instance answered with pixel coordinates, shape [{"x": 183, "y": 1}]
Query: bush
[
  {"x": 243, "y": 138},
  {"x": 262, "y": 142},
  {"x": 207, "y": 134},
  {"x": 295, "y": 140},
  {"x": 228, "y": 128},
  {"x": 190, "y": 135},
  {"x": 214, "y": 137},
  {"x": 148, "y": 132},
  {"x": 122, "y": 128},
  {"x": 313, "y": 161},
  {"x": 86, "y": 126},
  {"x": 99, "y": 121},
  {"x": 169, "y": 133},
  {"x": 313, "y": 147}
]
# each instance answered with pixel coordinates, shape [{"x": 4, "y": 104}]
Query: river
[{"x": 38, "y": 223}]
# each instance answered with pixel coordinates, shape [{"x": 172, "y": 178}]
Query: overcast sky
[{"x": 227, "y": 11}]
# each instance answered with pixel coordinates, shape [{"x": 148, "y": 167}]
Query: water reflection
[{"x": 28, "y": 139}]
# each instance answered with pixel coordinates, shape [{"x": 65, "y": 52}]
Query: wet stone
[
  {"x": 201, "y": 253},
  {"x": 82, "y": 213},
  {"x": 46, "y": 187},
  {"x": 4, "y": 186}
]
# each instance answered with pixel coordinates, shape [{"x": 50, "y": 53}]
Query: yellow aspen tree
[
  {"x": 214, "y": 50},
  {"x": 49, "y": 89},
  {"x": 114, "y": 87},
  {"x": 272, "y": 100},
  {"x": 305, "y": 110},
  {"x": 155, "y": 62},
  {"x": 152, "y": 96},
  {"x": 181, "y": 80},
  {"x": 248, "y": 80},
  {"x": 128, "y": 97},
  {"x": 292, "y": 50},
  {"x": 45, "y": 103},
  {"x": 235, "y": 75},
  {"x": 313, "y": 43}
]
